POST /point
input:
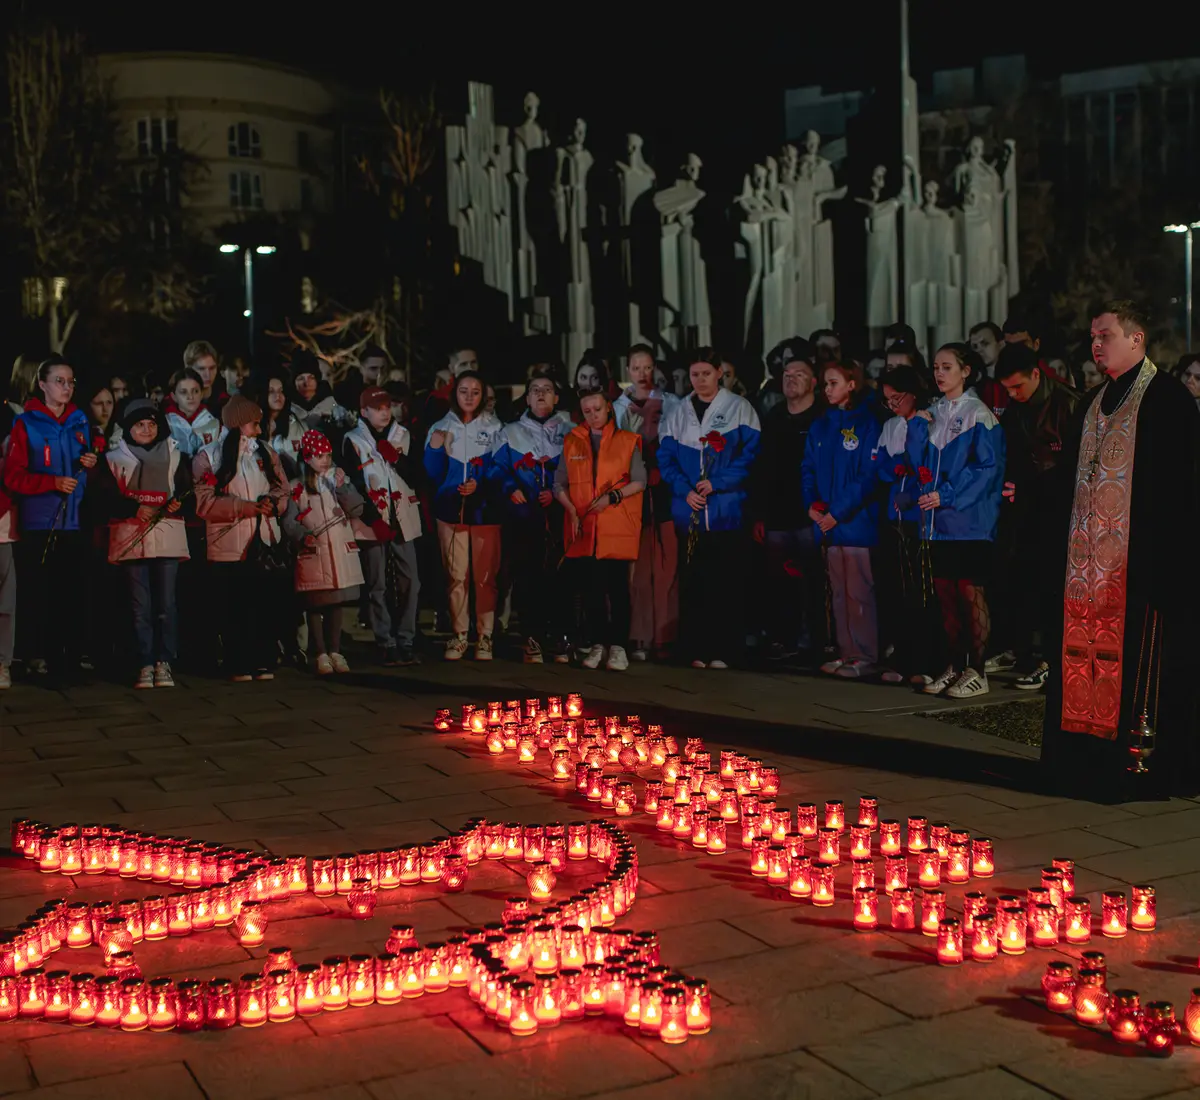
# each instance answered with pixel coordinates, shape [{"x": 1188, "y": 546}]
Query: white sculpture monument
[
  {"x": 684, "y": 317},
  {"x": 635, "y": 177},
  {"x": 987, "y": 233},
  {"x": 529, "y": 136},
  {"x": 572, "y": 165}
]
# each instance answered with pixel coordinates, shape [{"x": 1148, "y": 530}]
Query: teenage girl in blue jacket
[
  {"x": 838, "y": 479},
  {"x": 957, "y": 448}
]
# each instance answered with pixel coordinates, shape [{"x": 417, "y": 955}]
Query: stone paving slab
[{"x": 804, "y": 1006}]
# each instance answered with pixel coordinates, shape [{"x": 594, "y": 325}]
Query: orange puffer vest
[{"x": 615, "y": 532}]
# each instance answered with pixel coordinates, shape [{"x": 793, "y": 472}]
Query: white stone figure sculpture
[
  {"x": 684, "y": 317},
  {"x": 529, "y": 136},
  {"x": 812, "y": 247},
  {"x": 914, "y": 258},
  {"x": 500, "y": 247},
  {"x": 764, "y": 231},
  {"x": 942, "y": 267},
  {"x": 1012, "y": 265},
  {"x": 883, "y": 267},
  {"x": 572, "y": 164},
  {"x": 635, "y": 177}
]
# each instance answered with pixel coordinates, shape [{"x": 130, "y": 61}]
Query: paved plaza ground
[{"x": 803, "y": 1005}]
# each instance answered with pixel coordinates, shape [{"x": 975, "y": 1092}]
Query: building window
[
  {"x": 156, "y": 135},
  {"x": 244, "y": 141},
  {"x": 306, "y": 194},
  {"x": 245, "y": 191}
]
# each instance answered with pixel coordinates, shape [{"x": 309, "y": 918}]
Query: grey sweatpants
[
  {"x": 389, "y": 631},
  {"x": 853, "y": 590}
]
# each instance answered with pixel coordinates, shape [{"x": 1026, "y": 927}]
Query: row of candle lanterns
[{"x": 1086, "y": 996}]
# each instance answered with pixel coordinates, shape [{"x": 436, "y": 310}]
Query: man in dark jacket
[
  {"x": 795, "y": 597},
  {"x": 1036, "y": 427}
]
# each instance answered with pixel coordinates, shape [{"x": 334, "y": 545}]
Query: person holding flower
[
  {"x": 957, "y": 447},
  {"x": 143, "y": 483},
  {"x": 707, "y": 446},
  {"x": 388, "y": 525},
  {"x": 907, "y": 609},
  {"x": 50, "y": 454},
  {"x": 526, "y": 458},
  {"x": 328, "y": 573},
  {"x": 458, "y": 458},
  {"x": 597, "y": 483},
  {"x": 241, "y": 491},
  {"x": 838, "y": 477}
]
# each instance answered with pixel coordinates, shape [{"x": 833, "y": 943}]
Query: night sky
[{"x": 684, "y": 82}]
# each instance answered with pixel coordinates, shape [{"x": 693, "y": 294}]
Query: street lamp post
[
  {"x": 248, "y": 254},
  {"x": 1186, "y": 230}
]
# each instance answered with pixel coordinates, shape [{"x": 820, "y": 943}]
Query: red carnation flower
[
  {"x": 297, "y": 490},
  {"x": 792, "y": 569},
  {"x": 209, "y": 479},
  {"x": 477, "y": 462},
  {"x": 397, "y": 494},
  {"x": 387, "y": 451},
  {"x": 821, "y": 506},
  {"x": 715, "y": 440},
  {"x": 301, "y": 515},
  {"x": 901, "y": 470},
  {"x": 525, "y": 462},
  {"x": 98, "y": 444},
  {"x": 924, "y": 475}
]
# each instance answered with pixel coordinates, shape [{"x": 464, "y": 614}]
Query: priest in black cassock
[{"x": 1130, "y": 526}]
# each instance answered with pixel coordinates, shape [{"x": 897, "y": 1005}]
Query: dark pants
[
  {"x": 52, "y": 596},
  {"x": 533, "y": 549},
  {"x": 199, "y": 605},
  {"x": 248, "y": 622},
  {"x": 909, "y": 615},
  {"x": 151, "y": 584},
  {"x": 793, "y": 600},
  {"x": 603, "y": 584},
  {"x": 710, "y": 595}
]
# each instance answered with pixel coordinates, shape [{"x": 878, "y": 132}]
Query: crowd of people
[{"x": 878, "y": 517}]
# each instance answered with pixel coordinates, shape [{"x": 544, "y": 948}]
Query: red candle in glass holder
[
  {"x": 984, "y": 941},
  {"x": 974, "y": 902},
  {"x": 1058, "y": 984},
  {"x": 983, "y": 862},
  {"x": 868, "y": 810},
  {"x": 895, "y": 873},
  {"x": 83, "y": 1000},
  {"x": 387, "y": 979},
  {"x": 758, "y": 857},
  {"x": 918, "y": 834},
  {"x": 822, "y": 885},
  {"x": 1114, "y": 915},
  {"x": 309, "y": 998},
  {"x": 1124, "y": 1015},
  {"x": 700, "y": 824},
  {"x": 889, "y": 838},
  {"x": 1160, "y": 1029},
  {"x": 335, "y": 982},
  {"x": 58, "y": 996},
  {"x": 1067, "y": 867},
  {"x": 933, "y": 910},
  {"x": 715, "y": 843},
  {"x": 866, "y": 909},
  {"x": 750, "y": 830},
  {"x": 806, "y": 819},
  {"x": 1044, "y": 926},
  {"x": 777, "y": 865},
  {"x": 862, "y": 873},
  {"x": 574, "y": 705},
  {"x": 950, "y": 942},
  {"x": 800, "y": 876},
  {"x": 360, "y": 980},
  {"x": 1012, "y": 929},
  {"x": 250, "y": 924},
  {"x": 1077, "y": 920},
  {"x": 221, "y": 1004},
  {"x": 958, "y": 863},
  {"x": 1091, "y": 998},
  {"x": 540, "y": 880},
  {"x": 179, "y": 914},
  {"x": 361, "y": 899},
  {"x": 860, "y": 842},
  {"x": 929, "y": 868},
  {"x": 828, "y": 846},
  {"x": 682, "y": 829},
  {"x": 835, "y": 815},
  {"x": 31, "y": 993},
  {"x": 1143, "y": 914},
  {"x": 939, "y": 838}
]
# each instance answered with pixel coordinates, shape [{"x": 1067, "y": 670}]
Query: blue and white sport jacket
[
  {"x": 683, "y": 452},
  {"x": 466, "y": 455},
  {"x": 525, "y": 456},
  {"x": 964, "y": 451}
]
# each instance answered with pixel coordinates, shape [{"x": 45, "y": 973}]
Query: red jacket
[{"x": 16, "y": 469}]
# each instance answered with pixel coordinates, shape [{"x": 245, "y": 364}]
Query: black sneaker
[
  {"x": 404, "y": 656},
  {"x": 1035, "y": 680},
  {"x": 388, "y": 657}
]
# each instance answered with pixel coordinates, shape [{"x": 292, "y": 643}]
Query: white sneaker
[
  {"x": 162, "y": 675},
  {"x": 533, "y": 652},
  {"x": 717, "y": 664},
  {"x": 891, "y": 676},
  {"x": 1001, "y": 662},
  {"x": 699, "y": 664},
  {"x": 483, "y": 648},
  {"x": 936, "y": 687},
  {"x": 640, "y": 655},
  {"x": 339, "y": 663},
  {"x": 456, "y": 648},
  {"x": 968, "y": 685},
  {"x": 324, "y": 665},
  {"x": 145, "y": 678},
  {"x": 830, "y": 667},
  {"x": 920, "y": 679},
  {"x": 617, "y": 661},
  {"x": 594, "y": 656}
]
